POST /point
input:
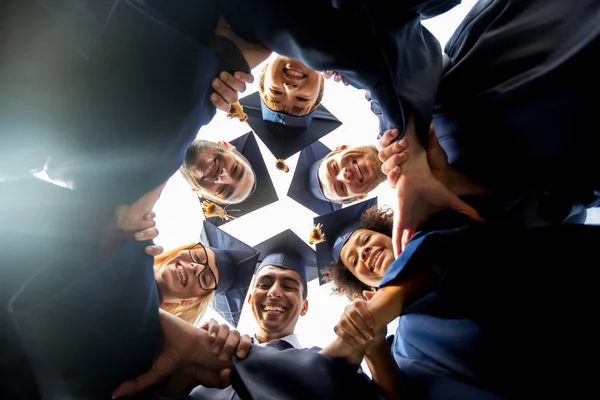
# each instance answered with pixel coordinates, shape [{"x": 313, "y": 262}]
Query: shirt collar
[{"x": 291, "y": 339}]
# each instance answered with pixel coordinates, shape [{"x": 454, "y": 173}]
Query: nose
[
  {"x": 274, "y": 291},
  {"x": 289, "y": 86},
  {"x": 364, "y": 253},
  {"x": 223, "y": 176},
  {"x": 344, "y": 175}
]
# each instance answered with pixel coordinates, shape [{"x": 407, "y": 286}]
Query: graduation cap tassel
[
  {"x": 211, "y": 209},
  {"x": 237, "y": 111},
  {"x": 282, "y": 166},
  {"x": 316, "y": 235}
]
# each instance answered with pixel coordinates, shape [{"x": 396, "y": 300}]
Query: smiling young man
[
  {"x": 347, "y": 174},
  {"x": 289, "y": 86},
  {"x": 217, "y": 171}
]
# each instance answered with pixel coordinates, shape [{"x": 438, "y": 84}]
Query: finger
[
  {"x": 154, "y": 250},
  {"x": 243, "y": 347},
  {"x": 327, "y": 74},
  {"x": 360, "y": 333},
  {"x": 225, "y": 377},
  {"x": 227, "y": 93},
  {"x": 337, "y": 77},
  {"x": 220, "y": 103},
  {"x": 362, "y": 315},
  {"x": 393, "y": 161},
  {"x": 432, "y": 140},
  {"x": 394, "y": 148},
  {"x": 231, "y": 343},
  {"x": 150, "y": 216},
  {"x": 397, "y": 234},
  {"x": 406, "y": 235},
  {"x": 146, "y": 234},
  {"x": 457, "y": 204},
  {"x": 213, "y": 328},
  {"x": 350, "y": 335},
  {"x": 235, "y": 84},
  {"x": 393, "y": 176},
  {"x": 387, "y": 138},
  {"x": 219, "y": 339},
  {"x": 244, "y": 77},
  {"x": 144, "y": 381}
]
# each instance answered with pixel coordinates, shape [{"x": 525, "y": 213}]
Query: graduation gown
[
  {"x": 73, "y": 325},
  {"x": 107, "y": 95},
  {"x": 396, "y": 58},
  {"x": 501, "y": 319},
  {"x": 516, "y": 102}
]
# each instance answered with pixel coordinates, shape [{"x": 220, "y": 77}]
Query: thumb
[{"x": 456, "y": 204}]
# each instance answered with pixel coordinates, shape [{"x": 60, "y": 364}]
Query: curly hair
[{"x": 344, "y": 282}]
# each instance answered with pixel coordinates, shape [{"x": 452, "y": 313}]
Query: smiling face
[
  {"x": 179, "y": 279},
  {"x": 277, "y": 302},
  {"x": 350, "y": 174},
  {"x": 290, "y": 86},
  {"x": 368, "y": 254},
  {"x": 218, "y": 172}
]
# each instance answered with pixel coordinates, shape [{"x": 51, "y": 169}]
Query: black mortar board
[
  {"x": 305, "y": 187},
  {"x": 287, "y": 250},
  {"x": 291, "y": 134},
  {"x": 236, "y": 262}
]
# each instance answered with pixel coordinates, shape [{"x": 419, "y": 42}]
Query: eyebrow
[
  {"x": 289, "y": 279},
  {"x": 240, "y": 172}
]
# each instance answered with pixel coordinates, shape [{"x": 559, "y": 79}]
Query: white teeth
[
  {"x": 374, "y": 258},
  {"x": 274, "y": 308},
  {"x": 296, "y": 74},
  {"x": 357, "y": 170},
  {"x": 208, "y": 169},
  {"x": 183, "y": 275}
]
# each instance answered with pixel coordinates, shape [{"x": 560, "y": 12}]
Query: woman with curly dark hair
[{"x": 375, "y": 222}]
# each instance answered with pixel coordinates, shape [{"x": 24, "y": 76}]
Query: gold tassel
[
  {"x": 316, "y": 235},
  {"x": 211, "y": 209},
  {"x": 237, "y": 111},
  {"x": 282, "y": 166}
]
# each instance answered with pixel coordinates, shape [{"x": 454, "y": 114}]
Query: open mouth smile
[
  {"x": 183, "y": 276},
  {"x": 293, "y": 74},
  {"x": 358, "y": 171},
  {"x": 210, "y": 170},
  {"x": 271, "y": 308},
  {"x": 374, "y": 262}
]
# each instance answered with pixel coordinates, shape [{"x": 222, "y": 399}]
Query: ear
[
  {"x": 342, "y": 147},
  {"x": 249, "y": 297},
  {"x": 304, "y": 308},
  {"x": 368, "y": 294},
  {"x": 186, "y": 302},
  {"x": 362, "y": 196},
  {"x": 225, "y": 144}
]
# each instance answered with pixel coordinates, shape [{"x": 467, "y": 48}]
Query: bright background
[{"x": 179, "y": 215}]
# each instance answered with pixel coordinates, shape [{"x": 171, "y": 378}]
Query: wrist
[
  {"x": 377, "y": 350},
  {"x": 461, "y": 185}
]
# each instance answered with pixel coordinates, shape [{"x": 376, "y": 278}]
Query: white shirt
[{"x": 291, "y": 339}]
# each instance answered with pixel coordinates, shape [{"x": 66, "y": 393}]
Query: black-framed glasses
[{"x": 206, "y": 277}]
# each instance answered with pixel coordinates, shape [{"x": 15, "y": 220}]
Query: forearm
[{"x": 383, "y": 369}]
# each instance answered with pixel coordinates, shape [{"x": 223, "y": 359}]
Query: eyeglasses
[{"x": 206, "y": 277}]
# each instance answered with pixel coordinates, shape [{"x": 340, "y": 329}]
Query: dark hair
[
  {"x": 279, "y": 107},
  {"x": 344, "y": 283},
  {"x": 304, "y": 290}
]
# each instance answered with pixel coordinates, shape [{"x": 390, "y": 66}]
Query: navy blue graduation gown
[
  {"x": 503, "y": 316},
  {"x": 73, "y": 324},
  {"x": 108, "y": 94},
  {"x": 515, "y": 108},
  {"x": 396, "y": 58}
]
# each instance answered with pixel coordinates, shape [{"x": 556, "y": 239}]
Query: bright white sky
[{"x": 179, "y": 216}]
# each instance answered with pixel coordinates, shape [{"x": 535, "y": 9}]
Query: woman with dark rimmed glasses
[{"x": 187, "y": 278}]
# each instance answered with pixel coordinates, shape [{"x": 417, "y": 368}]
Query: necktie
[{"x": 279, "y": 344}]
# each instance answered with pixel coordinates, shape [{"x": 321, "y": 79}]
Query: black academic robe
[
  {"x": 107, "y": 95},
  {"x": 505, "y": 314},
  {"x": 363, "y": 43},
  {"x": 74, "y": 325},
  {"x": 516, "y": 102}
]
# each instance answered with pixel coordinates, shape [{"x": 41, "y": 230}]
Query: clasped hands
[
  {"x": 189, "y": 356},
  {"x": 424, "y": 181}
]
